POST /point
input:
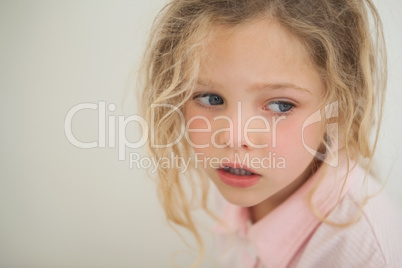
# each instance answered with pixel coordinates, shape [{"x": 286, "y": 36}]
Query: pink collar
[{"x": 278, "y": 236}]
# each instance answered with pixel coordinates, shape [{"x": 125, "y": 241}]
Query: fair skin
[{"x": 261, "y": 73}]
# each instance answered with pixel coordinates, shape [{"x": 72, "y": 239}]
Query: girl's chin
[{"x": 241, "y": 200}]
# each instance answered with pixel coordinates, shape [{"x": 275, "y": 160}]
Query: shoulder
[{"x": 375, "y": 240}]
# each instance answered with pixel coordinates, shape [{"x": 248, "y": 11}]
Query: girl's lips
[
  {"x": 236, "y": 165},
  {"x": 239, "y": 181}
]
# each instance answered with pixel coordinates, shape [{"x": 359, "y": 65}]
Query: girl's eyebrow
[
  {"x": 277, "y": 86},
  {"x": 206, "y": 83},
  {"x": 258, "y": 87}
]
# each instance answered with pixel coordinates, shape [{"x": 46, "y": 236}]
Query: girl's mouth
[
  {"x": 238, "y": 177},
  {"x": 237, "y": 171}
]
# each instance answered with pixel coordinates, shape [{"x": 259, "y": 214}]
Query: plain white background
[{"x": 62, "y": 206}]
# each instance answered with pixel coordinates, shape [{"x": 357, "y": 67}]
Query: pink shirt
[{"x": 292, "y": 236}]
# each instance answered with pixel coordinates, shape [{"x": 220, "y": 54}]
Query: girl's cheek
[
  {"x": 198, "y": 132},
  {"x": 291, "y": 134},
  {"x": 312, "y": 135}
]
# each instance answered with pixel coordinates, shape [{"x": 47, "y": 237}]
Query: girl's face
[{"x": 247, "y": 116}]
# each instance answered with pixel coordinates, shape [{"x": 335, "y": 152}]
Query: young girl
[{"x": 273, "y": 101}]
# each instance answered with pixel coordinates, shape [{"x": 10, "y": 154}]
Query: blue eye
[
  {"x": 210, "y": 99},
  {"x": 280, "y": 106}
]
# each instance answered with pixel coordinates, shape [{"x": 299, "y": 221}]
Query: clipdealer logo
[{"x": 115, "y": 126}]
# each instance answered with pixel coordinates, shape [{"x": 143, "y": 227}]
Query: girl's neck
[{"x": 262, "y": 209}]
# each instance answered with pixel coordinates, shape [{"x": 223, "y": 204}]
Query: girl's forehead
[
  {"x": 257, "y": 54},
  {"x": 258, "y": 35}
]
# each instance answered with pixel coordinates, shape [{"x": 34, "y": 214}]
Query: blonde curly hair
[{"x": 344, "y": 41}]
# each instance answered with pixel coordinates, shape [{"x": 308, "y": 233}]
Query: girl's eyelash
[
  {"x": 202, "y": 94},
  {"x": 204, "y": 106},
  {"x": 281, "y": 102},
  {"x": 285, "y": 113},
  {"x": 197, "y": 97}
]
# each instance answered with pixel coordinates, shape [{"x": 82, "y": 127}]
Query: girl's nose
[
  {"x": 240, "y": 128},
  {"x": 232, "y": 137}
]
